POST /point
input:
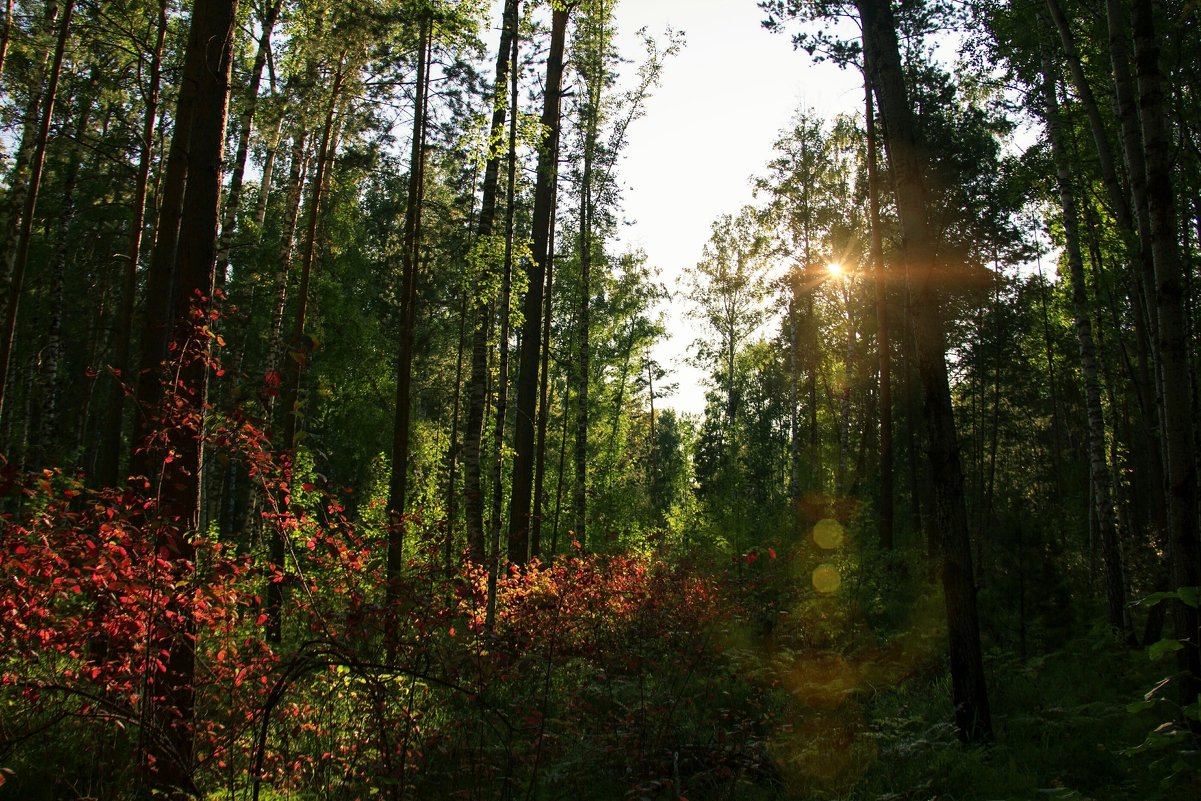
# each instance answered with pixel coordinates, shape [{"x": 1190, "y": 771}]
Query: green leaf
[
  {"x": 1157, "y": 597},
  {"x": 1139, "y": 706},
  {"x": 1157, "y": 650},
  {"x": 1190, "y": 596}
]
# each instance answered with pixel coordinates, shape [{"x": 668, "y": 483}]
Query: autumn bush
[{"x": 599, "y": 674}]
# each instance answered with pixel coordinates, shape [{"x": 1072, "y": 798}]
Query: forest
[{"x": 337, "y": 459}]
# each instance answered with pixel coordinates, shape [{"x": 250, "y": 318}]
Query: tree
[
  {"x": 410, "y": 253},
  {"x": 20, "y": 259},
  {"x": 196, "y": 151},
  {"x": 729, "y": 291},
  {"x": 1115, "y": 585},
  {"x": 969, "y": 692},
  {"x": 527, "y": 385},
  {"x": 482, "y": 307}
]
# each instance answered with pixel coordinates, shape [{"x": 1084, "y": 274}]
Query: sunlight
[{"x": 836, "y": 270}]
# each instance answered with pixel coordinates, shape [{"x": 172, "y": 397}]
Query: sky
[{"x": 708, "y": 129}]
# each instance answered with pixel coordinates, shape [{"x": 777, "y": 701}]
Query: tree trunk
[
  {"x": 197, "y": 148},
  {"x": 1119, "y": 614},
  {"x": 794, "y": 421},
  {"x": 527, "y": 386},
  {"x": 297, "y": 172},
  {"x": 18, "y": 178},
  {"x": 410, "y": 254},
  {"x": 969, "y": 692},
  {"x": 477, "y": 400},
  {"x": 502, "y": 371},
  {"x": 452, "y": 448},
  {"x": 884, "y": 523},
  {"x": 21, "y": 257},
  {"x": 234, "y": 196},
  {"x": 543, "y": 392},
  {"x": 48, "y": 415},
  {"x": 4, "y": 37},
  {"x": 110, "y": 449},
  {"x": 1175, "y": 378},
  {"x": 299, "y": 348},
  {"x": 260, "y": 206}
]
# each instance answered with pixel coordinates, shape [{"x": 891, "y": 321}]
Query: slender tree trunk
[
  {"x": 969, "y": 692},
  {"x": 477, "y": 399},
  {"x": 794, "y": 421},
  {"x": 48, "y": 422},
  {"x": 1133, "y": 220},
  {"x": 1119, "y": 615},
  {"x": 502, "y": 371},
  {"x": 297, "y": 172},
  {"x": 4, "y": 37},
  {"x": 452, "y": 449},
  {"x": 844, "y": 397},
  {"x": 1175, "y": 378},
  {"x": 410, "y": 256},
  {"x": 543, "y": 391},
  {"x": 884, "y": 527},
  {"x": 299, "y": 348},
  {"x": 260, "y": 206},
  {"x": 21, "y": 258},
  {"x": 554, "y": 535},
  {"x": 817, "y": 481},
  {"x": 1147, "y": 380},
  {"x": 233, "y": 197},
  {"x": 496, "y": 521},
  {"x": 919, "y": 510},
  {"x": 18, "y": 178},
  {"x": 653, "y": 450},
  {"x": 527, "y": 387},
  {"x": 110, "y": 448}
]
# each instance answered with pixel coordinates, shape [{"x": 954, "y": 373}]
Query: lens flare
[
  {"x": 828, "y": 534},
  {"x": 826, "y": 578}
]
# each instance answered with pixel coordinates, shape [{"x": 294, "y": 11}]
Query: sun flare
[{"x": 836, "y": 270}]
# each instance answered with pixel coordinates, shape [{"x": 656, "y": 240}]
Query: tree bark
[
  {"x": 884, "y": 523},
  {"x": 299, "y": 347},
  {"x": 233, "y": 197},
  {"x": 543, "y": 400},
  {"x": 197, "y": 148},
  {"x": 1175, "y": 377},
  {"x": 527, "y": 386},
  {"x": 968, "y": 689},
  {"x": 110, "y": 449},
  {"x": 5, "y": 36},
  {"x": 297, "y": 170},
  {"x": 410, "y": 256},
  {"x": 1115, "y": 584},
  {"x": 477, "y": 400},
  {"x": 21, "y": 257},
  {"x": 46, "y": 449}
]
